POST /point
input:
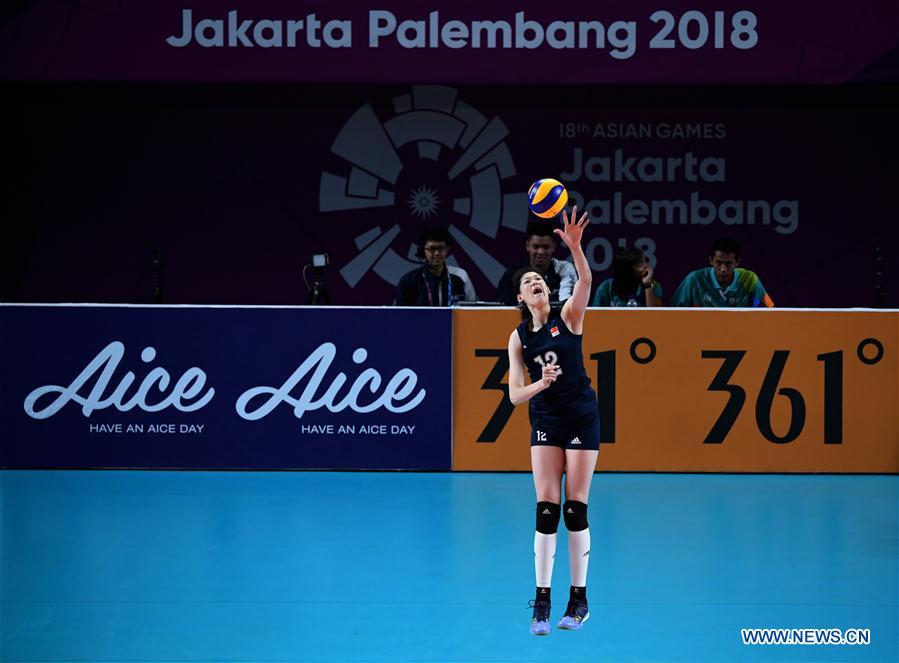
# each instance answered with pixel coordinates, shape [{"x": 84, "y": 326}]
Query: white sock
[
  {"x": 579, "y": 556},
  {"x": 544, "y": 555}
]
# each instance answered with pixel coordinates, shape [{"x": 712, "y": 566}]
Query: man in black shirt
[
  {"x": 435, "y": 283},
  {"x": 559, "y": 275}
]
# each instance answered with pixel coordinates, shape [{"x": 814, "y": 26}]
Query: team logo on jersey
[{"x": 554, "y": 331}]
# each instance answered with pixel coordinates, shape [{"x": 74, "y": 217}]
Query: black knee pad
[
  {"x": 575, "y": 516},
  {"x": 548, "y": 515}
]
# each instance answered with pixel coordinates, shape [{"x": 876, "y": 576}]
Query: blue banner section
[{"x": 255, "y": 388}]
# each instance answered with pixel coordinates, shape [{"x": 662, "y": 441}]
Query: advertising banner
[
  {"x": 701, "y": 390},
  {"x": 247, "y": 388},
  {"x": 399, "y": 41}
]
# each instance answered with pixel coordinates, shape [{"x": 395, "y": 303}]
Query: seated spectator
[
  {"x": 559, "y": 275},
  {"x": 435, "y": 283},
  {"x": 631, "y": 283},
  {"x": 723, "y": 283}
]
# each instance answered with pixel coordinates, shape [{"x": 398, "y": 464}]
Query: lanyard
[
  {"x": 449, "y": 287},
  {"x": 722, "y": 291}
]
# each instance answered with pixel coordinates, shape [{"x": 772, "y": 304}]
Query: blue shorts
[{"x": 566, "y": 434}]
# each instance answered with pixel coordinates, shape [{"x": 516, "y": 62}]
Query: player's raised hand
[{"x": 572, "y": 230}]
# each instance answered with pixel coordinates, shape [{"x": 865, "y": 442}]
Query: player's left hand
[{"x": 572, "y": 230}]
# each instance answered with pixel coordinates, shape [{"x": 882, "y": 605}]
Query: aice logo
[
  {"x": 434, "y": 159},
  {"x": 319, "y": 390},
  {"x": 188, "y": 386},
  {"x": 316, "y": 394}
]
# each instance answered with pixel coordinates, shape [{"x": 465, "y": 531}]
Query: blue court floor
[{"x": 320, "y": 566}]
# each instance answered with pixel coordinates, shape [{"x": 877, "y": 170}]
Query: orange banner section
[{"x": 701, "y": 390}]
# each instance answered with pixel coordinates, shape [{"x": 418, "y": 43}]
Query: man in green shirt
[{"x": 722, "y": 283}]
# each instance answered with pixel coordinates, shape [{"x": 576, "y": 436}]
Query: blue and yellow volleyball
[{"x": 547, "y": 198}]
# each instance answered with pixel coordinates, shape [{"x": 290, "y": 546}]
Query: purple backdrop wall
[
  {"x": 399, "y": 41},
  {"x": 239, "y": 184}
]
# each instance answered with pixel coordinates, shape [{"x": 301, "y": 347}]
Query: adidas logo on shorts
[{"x": 576, "y": 440}]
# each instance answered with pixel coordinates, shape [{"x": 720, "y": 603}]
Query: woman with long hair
[
  {"x": 564, "y": 421},
  {"x": 632, "y": 282}
]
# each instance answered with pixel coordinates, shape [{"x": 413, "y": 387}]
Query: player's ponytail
[{"x": 525, "y": 312}]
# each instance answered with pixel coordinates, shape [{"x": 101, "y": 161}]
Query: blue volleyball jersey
[{"x": 570, "y": 397}]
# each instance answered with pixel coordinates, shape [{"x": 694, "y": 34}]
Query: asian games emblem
[{"x": 428, "y": 158}]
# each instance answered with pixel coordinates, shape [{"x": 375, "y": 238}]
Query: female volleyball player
[{"x": 564, "y": 420}]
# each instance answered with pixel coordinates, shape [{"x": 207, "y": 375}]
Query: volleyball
[{"x": 547, "y": 197}]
